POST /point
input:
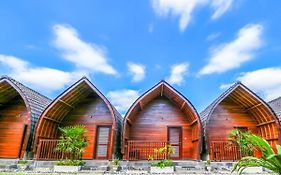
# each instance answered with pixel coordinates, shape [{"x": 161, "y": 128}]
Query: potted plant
[
  {"x": 72, "y": 143},
  {"x": 208, "y": 165},
  {"x": 115, "y": 164},
  {"x": 165, "y": 165},
  {"x": 22, "y": 165}
]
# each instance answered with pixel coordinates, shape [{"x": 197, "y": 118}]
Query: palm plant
[
  {"x": 269, "y": 159},
  {"x": 72, "y": 141},
  {"x": 237, "y": 137}
]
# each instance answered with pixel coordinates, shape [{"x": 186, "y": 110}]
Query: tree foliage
[
  {"x": 72, "y": 142},
  {"x": 269, "y": 159},
  {"x": 237, "y": 137}
]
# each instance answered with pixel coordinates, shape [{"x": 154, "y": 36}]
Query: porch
[
  {"x": 143, "y": 150},
  {"x": 223, "y": 150},
  {"x": 47, "y": 150}
]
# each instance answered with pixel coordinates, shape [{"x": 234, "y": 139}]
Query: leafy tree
[
  {"x": 269, "y": 159},
  {"x": 237, "y": 137},
  {"x": 72, "y": 142}
]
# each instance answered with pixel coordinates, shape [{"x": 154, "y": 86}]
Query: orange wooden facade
[
  {"x": 240, "y": 108},
  {"x": 81, "y": 104},
  {"x": 159, "y": 117},
  {"x": 17, "y": 117}
]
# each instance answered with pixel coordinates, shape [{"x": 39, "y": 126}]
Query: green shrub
[
  {"x": 22, "y": 162},
  {"x": 269, "y": 160},
  {"x": 237, "y": 137},
  {"x": 116, "y": 162},
  {"x": 72, "y": 142},
  {"x": 163, "y": 163},
  {"x": 68, "y": 162},
  {"x": 166, "y": 151}
]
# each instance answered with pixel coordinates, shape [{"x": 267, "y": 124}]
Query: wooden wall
[
  {"x": 95, "y": 107},
  {"x": 225, "y": 117},
  {"x": 151, "y": 124},
  {"x": 13, "y": 120}
]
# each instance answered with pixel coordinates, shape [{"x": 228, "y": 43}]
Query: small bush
[
  {"x": 22, "y": 162},
  {"x": 70, "y": 162},
  {"x": 72, "y": 142},
  {"x": 163, "y": 163},
  {"x": 116, "y": 162}
]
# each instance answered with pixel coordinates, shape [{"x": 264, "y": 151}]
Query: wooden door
[
  {"x": 102, "y": 142},
  {"x": 174, "y": 139}
]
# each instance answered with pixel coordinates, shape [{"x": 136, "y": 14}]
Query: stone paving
[{"x": 127, "y": 167}]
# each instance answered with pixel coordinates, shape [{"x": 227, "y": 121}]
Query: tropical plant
[
  {"x": 166, "y": 151},
  {"x": 269, "y": 159},
  {"x": 237, "y": 137},
  {"x": 116, "y": 162},
  {"x": 72, "y": 142},
  {"x": 23, "y": 162},
  {"x": 68, "y": 162}
]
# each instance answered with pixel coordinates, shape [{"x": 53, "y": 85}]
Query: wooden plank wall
[
  {"x": 90, "y": 112},
  {"x": 152, "y": 122},
  {"x": 13, "y": 118},
  {"x": 225, "y": 117}
]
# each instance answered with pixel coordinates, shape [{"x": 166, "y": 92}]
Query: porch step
[
  {"x": 4, "y": 162},
  {"x": 96, "y": 165},
  {"x": 8, "y": 164},
  {"x": 135, "y": 165},
  {"x": 189, "y": 165}
]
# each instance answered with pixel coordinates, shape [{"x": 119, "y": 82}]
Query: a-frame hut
[
  {"x": 159, "y": 117},
  {"x": 237, "y": 108},
  {"x": 20, "y": 108},
  {"x": 84, "y": 104}
]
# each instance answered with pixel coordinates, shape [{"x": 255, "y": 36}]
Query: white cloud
[
  {"x": 84, "y": 55},
  {"x": 212, "y": 36},
  {"x": 220, "y": 7},
  {"x": 137, "y": 71},
  {"x": 178, "y": 72},
  {"x": 266, "y": 82},
  {"x": 184, "y": 8},
  {"x": 231, "y": 55},
  {"x": 122, "y": 99},
  {"x": 226, "y": 86},
  {"x": 40, "y": 78},
  {"x": 181, "y": 8}
]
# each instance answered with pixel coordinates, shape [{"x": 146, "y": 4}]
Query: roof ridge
[{"x": 21, "y": 84}]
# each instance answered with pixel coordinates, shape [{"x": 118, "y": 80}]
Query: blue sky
[{"x": 125, "y": 47}]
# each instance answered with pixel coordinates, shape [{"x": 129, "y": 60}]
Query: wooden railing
[
  {"x": 47, "y": 150},
  {"x": 142, "y": 150},
  {"x": 223, "y": 150}
]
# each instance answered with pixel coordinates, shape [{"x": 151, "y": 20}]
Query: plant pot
[
  {"x": 164, "y": 170},
  {"x": 67, "y": 169},
  {"x": 114, "y": 167},
  {"x": 253, "y": 170},
  {"x": 22, "y": 167}
]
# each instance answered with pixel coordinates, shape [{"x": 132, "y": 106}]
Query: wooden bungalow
[
  {"x": 238, "y": 107},
  {"x": 83, "y": 104},
  {"x": 159, "y": 117},
  {"x": 20, "y": 108}
]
